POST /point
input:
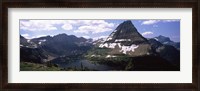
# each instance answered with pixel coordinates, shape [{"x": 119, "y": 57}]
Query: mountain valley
[{"x": 125, "y": 49}]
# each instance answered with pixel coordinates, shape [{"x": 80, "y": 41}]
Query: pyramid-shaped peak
[
  {"x": 126, "y": 31},
  {"x": 126, "y": 28},
  {"x": 126, "y": 25},
  {"x": 128, "y": 22}
]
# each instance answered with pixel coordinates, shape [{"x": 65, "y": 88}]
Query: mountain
[
  {"x": 154, "y": 43},
  {"x": 167, "y": 41},
  {"x": 35, "y": 55},
  {"x": 47, "y": 48},
  {"x": 126, "y": 40},
  {"x": 124, "y": 49},
  {"x": 62, "y": 44},
  {"x": 23, "y": 41},
  {"x": 166, "y": 48},
  {"x": 26, "y": 43},
  {"x": 98, "y": 41},
  {"x": 29, "y": 51},
  {"x": 126, "y": 33},
  {"x": 167, "y": 52}
]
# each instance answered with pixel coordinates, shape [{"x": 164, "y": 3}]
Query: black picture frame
[{"x": 194, "y": 4}]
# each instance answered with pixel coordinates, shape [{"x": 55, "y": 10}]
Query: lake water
[{"x": 85, "y": 63}]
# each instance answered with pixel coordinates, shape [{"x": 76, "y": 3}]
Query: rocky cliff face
[
  {"x": 127, "y": 34},
  {"x": 125, "y": 39}
]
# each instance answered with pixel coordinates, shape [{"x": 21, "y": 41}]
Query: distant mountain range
[
  {"x": 124, "y": 41},
  {"x": 52, "y": 47},
  {"x": 167, "y": 41}
]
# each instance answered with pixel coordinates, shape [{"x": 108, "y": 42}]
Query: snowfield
[
  {"x": 156, "y": 39},
  {"x": 43, "y": 40},
  {"x": 109, "y": 56},
  {"x": 124, "y": 49},
  {"x": 119, "y": 40},
  {"x": 110, "y": 45}
]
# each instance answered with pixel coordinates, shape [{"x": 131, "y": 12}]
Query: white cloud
[
  {"x": 25, "y": 35},
  {"x": 92, "y": 29},
  {"x": 94, "y": 26},
  {"x": 147, "y": 33},
  {"x": 149, "y": 22},
  {"x": 67, "y": 26},
  {"x": 39, "y": 25},
  {"x": 87, "y": 37},
  {"x": 38, "y": 36},
  {"x": 171, "y": 20},
  {"x": 44, "y": 35},
  {"x": 83, "y": 26}
]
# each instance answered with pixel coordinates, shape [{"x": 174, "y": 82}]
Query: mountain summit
[
  {"x": 126, "y": 32},
  {"x": 125, "y": 39}
]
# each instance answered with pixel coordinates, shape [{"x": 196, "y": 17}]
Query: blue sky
[{"x": 98, "y": 28}]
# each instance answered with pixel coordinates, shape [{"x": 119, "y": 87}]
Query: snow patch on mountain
[
  {"x": 43, "y": 40},
  {"x": 119, "y": 45},
  {"x": 103, "y": 45},
  {"x": 156, "y": 39},
  {"x": 109, "y": 38},
  {"x": 112, "y": 45},
  {"x": 111, "y": 35},
  {"x": 109, "y": 45},
  {"x": 126, "y": 49},
  {"x": 28, "y": 41},
  {"x": 165, "y": 42},
  {"x": 101, "y": 40},
  {"x": 120, "y": 40},
  {"x": 109, "y": 56},
  {"x": 95, "y": 55}
]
